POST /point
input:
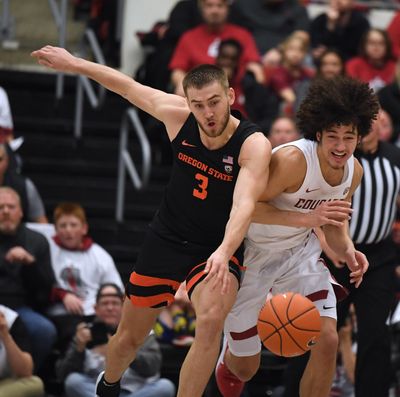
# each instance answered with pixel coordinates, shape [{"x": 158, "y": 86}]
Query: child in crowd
[
  {"x": 80, "y": 266},
  {"x": 285, "y": 78}
]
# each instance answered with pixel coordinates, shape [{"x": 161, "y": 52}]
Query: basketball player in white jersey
[{"x": 310, "y": 181}]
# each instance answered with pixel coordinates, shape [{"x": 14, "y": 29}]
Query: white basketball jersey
[{"x": 314, "y": 191}]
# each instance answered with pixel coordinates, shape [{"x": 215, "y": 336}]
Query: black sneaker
[{"x": 105, "y": 389}]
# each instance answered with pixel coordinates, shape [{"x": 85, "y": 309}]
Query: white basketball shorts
[{"x": 298, "y": 269}]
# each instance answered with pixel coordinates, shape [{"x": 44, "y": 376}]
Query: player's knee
[
  {"x": 328, "y": 341},
  {"x": 125, "y": 341},
  {"x": 209, "y": 324}
]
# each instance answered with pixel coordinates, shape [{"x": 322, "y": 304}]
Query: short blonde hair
[{"x": 295, "y": 36}]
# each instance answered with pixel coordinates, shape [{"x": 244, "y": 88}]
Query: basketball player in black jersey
[{"x": 196, "y": 236}]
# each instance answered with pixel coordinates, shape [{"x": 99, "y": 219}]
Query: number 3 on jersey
[{"x": 201, "y": 191}]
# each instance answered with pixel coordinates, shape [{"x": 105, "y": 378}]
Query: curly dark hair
[{"x": 337, "y": 101}]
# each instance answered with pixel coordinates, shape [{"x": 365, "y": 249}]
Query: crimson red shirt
[
  {"x": 359, "y": 68},
  {"x": 199, "y": 45},
  {"x": 281, "y": 78}
]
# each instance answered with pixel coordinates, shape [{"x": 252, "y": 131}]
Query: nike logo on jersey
[
  {"x": 184, "y": 143},
  {"x": 311, "y": 190},
  {"x": 328, "y": 307}
]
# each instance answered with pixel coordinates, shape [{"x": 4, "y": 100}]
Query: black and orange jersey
[{"x": 198, "y": 198}]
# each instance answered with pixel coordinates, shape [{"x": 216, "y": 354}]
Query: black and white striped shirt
[{"x": 374, "y": 201}]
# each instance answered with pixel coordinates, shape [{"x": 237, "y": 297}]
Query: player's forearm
[
  {"x": 108, "y": 77},
  {"x": 338, "y": 239},
  {"x": 236, "y": 228},
  {"x": 269, "y": 215}
]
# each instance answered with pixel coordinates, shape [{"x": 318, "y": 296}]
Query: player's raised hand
[
  {"x": 55, "y": 58},
  {"x": 330, "y": 213},
  {"x": 217, "y": 268}
]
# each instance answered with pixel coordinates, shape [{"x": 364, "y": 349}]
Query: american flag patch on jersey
[{"x": 228, "y": 159}]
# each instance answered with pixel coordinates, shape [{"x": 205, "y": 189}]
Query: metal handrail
[
  {"x": 7, "y": 24},
  {"x": 125, "y": 162},
  {"x": 84, "y": 85},
  {"x": 388, "y": 5},
  {"x": 5, "y": 19},
  {"x": 60, "y": 18}
]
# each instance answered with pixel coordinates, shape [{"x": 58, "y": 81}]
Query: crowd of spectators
[
  {"x": 271, "y": 51},
  {"x": 85, "y": 356}
]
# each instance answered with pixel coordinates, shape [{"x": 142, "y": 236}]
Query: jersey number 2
[{"x": 201, "y": 192}]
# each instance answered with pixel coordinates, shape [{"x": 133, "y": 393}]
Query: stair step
[
  {"x": 90, "y": 148},
  {"x": 131, "y": 233},
  {"x": 149, "y": 196},
  {"x": 100, "y": 210},
  {"x": 79, "y": 166}
]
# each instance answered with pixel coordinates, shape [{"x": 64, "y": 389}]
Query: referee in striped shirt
[
  {"x": 375, "y": 207},
  {"x": 374, "y": 204}
]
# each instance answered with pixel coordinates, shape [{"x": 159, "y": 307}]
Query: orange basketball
[{"x": 289, "y": 324}]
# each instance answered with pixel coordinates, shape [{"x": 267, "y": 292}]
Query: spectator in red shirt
[
  {"x": 200, "y": 44},
  {"x": 394, "y": 34},
  {"x": 375, "y": 64}
]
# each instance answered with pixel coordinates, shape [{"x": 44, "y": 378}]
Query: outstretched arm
[
  {"x": 328, "y": 213},
  {"x": 253, "y": 176},
  {"x": 287, "y": 172},
  {"x": 339, "y": 240},
  {"x": 171, "y": 109}
]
